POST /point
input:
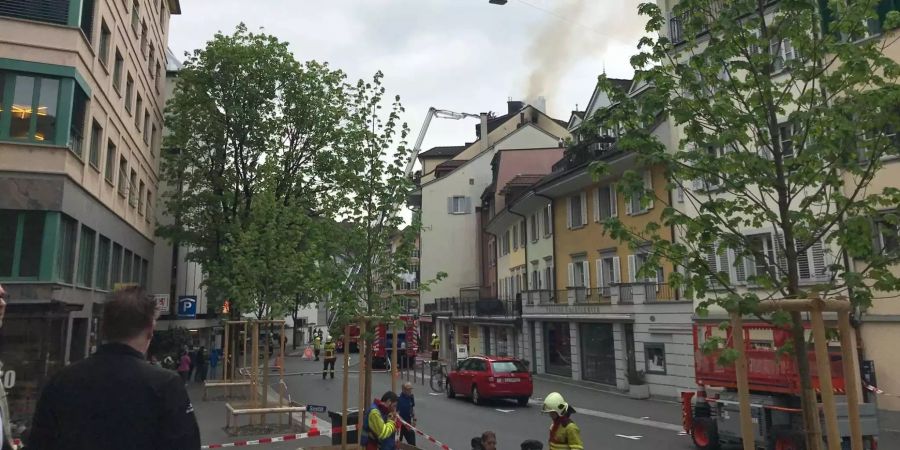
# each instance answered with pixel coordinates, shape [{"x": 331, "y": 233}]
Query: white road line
[
  {"x": 434, "y": 393},
  {"x": 626, "y": 419},
  {"x": 505, "y": 410},
  {"x": 633, "y": 438}
]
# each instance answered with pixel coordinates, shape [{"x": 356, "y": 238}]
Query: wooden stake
[
  {"x": 743, "y": 384},
  {"x": 346, "y": 389},
  {"x": 225, "y": 351},
  {"x": 824, "y": 371},
  {"x": 363, "y": 402},
  {"x": 848, "y": 357},
  {"x": 394, "y": 359}
]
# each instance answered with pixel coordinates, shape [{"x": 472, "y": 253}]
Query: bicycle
[{"x": 438, "y": 376}]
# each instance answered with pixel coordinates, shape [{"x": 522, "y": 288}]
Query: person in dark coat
[
  {"x": 201, "y": 361},
  {"x": 115, "y": 399}
]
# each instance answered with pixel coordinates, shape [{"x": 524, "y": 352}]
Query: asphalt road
[{"x": 456, "y": 421}]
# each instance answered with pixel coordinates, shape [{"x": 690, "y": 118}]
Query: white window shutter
[
  {"x": 787, "y": 49},
  {"x": 679, "y": 194},
  {"x": 614, "y": 204},
  {"x": 586, "y": 274},
  {"x": 600, "y": 281},
  {"x": 584, "y": 208},
  {"x": 648, "y": 184},
  {"x": 571, "y": 268},
  {"x": 628, "y": 209},
  {"x": 596, "y": 204},
  {"x": 550, "y": 217},
  {"x": 632, "y": 268},
  {"x": 616, "y": 272},
  {"x": 569, "y": 213},
  {"x": 817, "y": 253}
]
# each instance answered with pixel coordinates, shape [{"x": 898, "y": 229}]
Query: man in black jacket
[{"x": 115, "y": 399}]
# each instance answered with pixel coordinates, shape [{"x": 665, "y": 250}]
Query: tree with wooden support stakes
[{"x": 783, "y": 113}]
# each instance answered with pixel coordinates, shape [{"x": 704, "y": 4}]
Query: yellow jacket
[
  {"x": 435, "y": 344},
  {"x": 565, "y": 435},
  {"x": 329, "y": 350},
  {"x": 378, "y": 427}
]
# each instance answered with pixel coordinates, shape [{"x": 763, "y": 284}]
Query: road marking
[
  {"x": 633, "y": 438},
  {"x": 505, "y": 410},
  {"x": 626, "y": 419},
  {"x": 434, "y": 393},
  {"x": 644, "y": 418},
  {"x": 682, "y": 433}
]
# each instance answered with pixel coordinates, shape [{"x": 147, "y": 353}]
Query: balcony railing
[{"x": 476, "y": 308}]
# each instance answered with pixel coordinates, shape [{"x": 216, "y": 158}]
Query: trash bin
[{"x": 337, "y": 418}]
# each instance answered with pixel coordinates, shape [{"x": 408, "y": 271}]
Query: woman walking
[{"x": 184, "y": 367}]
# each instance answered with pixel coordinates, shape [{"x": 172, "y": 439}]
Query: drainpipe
[{"x": 672, "y": 236}]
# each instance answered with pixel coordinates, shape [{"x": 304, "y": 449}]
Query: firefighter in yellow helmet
[
  {"x": 564, "y": 434},
  {"x": 435, "y": 346}
]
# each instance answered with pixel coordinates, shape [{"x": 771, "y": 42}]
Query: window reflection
[
  {"x": 46, "y": 109},
  {"x": 23, "y": 94}
]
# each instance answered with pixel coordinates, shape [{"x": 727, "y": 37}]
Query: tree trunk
[{"x": 808, "y": 400}]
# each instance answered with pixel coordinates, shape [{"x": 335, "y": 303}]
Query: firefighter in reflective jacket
[
  {"x": 435, "y": 346},
  {"x": 380, "y": 424},
  {"x": 564, "y": 434},
  {"x": 330, "y": 358},
  {"x": 317, "y": 345}
]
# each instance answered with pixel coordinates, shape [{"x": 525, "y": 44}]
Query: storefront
[
  {"x": 557, "y": 349},
  {"x": 598, "y": 354}
]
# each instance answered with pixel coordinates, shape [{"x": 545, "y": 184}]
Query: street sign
[
  {"x": 162, "y": 303},
  {"x": 462, "y": 351},
  {"x": 319, "y": 409},
  {"x": 187, "y": 306}
]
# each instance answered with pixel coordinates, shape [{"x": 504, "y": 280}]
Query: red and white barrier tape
[
  {"x": 284, "y": 438},
  {"x": 431, "y": 439}
]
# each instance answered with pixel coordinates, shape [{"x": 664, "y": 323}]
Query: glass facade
[
  {"x": 557, "y": 349},
  {"x": 598, "y": 354}
]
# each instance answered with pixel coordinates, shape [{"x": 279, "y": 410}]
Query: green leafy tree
[
  {"x": 785, "y": 113},
  {"x": 256, "y": 143}
]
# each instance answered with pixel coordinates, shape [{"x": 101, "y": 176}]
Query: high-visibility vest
[
  {"x": 565, "y": 435},
  {"x": 329, "y": 350},
  {"x": 435, "y": 344}
]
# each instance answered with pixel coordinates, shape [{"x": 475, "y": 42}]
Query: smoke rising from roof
[{"x": 577, "y": 29}]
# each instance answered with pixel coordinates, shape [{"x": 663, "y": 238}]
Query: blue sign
[{"x": 187, "y": 306}]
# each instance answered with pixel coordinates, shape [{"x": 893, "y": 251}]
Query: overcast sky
[{"x": 461, "y": 55}]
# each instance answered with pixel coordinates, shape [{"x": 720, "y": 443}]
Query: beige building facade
[{"x": 81, "y": 110}]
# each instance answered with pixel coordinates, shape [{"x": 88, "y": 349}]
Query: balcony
[
  {"x": 602, "y": 300},
  {"x": 483, "y": 308}
]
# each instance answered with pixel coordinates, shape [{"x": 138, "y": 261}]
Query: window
[
  {"x": 21, "y": 237},
  {"x": 86, "y": 257},
  {"x": 535, "y": 232},
  {"x": 141, "y": 198},
  {"x": 76, "y": 131},
  {"x": 458, "y": 204},
  {"x": 37, "y": 11},
  {"x": 515, "y": 237},
  {"x": 127, "y": 261},
  {"x": 132, "y": 189},
  {"x": 636, "y": 204},
  {"x": 548, "y": 278},
  {"x": 524, "y": 235},
  {"x": 153, "y": 142},
  {"x": 144, "y": 39},
  {"x": 548, "y": 221},
  {"x": 635, "y": 263},
  {"x": 782, "y": 52},
  {"x": 117, "y": 72},
  {"x": 96, "y": 142},
  {"x": 888, "y": 237},
  {"x": 160, "y": 77},
  {"x": 138, "y": 108},
  {"x": 136, "y": 267},
  {"x": 103, "y": 248},
  {"x": 145, "y": 273},
  {"x": 504, "y": 243},
  {"x": 763, "y": 257},
  {"x": 579, "y": 274},
  {"x": 607, "y": 273},
  {"x": 87, "y": 18},
  {"x": 655, "y": 357},
  {"x": 115, "y": 275},
  {"x": 103, "y": 47},
  {"x": 30, "y": 105},
  {"x": 146, "y": 127},
  {"x": 152, "y": 65},
  {"x": 123, "y": 176},
  {"x": 149, "y": 204},
  {"x": 786, "y": 134},
  {"x": 109, "y": 171},
  {"x": 135, "y": 15},
  {"x": 509, "y": 367},
  {"x": 605, "y": 205},
  {"x": 577, "y": 211},
  {"x": 129, "y": 93},
  {"x": 65, "y": 258},
  {"x": 162, "y": 14}
]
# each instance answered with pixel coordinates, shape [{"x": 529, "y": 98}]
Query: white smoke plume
[{"x": 576, "y": 29}]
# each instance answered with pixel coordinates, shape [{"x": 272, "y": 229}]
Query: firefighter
[
  {"x": 380, "y": 424},
  {"x": 564, "y": 434},
  {"x": 317, "y": 345},
  {"x": 330, "y": 358},
  {"x": 435, "y": 346}
]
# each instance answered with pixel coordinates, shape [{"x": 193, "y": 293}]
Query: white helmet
[
  {"x": 434, "y": 335},
  {"x": 554, "y": 402}
]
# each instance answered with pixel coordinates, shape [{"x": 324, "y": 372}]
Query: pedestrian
[
  {"x": 5, "y": 428},
  {"x": 317, "y": 345},
  {"x": 406, "y": 409},
  {"x": 380, "y": 424},
  {"x": 330, "y": 358},
  {"x": 213, "y": 362},
  {"x": 488, "y": 440},
  {"x": 435, "y": 346},
  {"x": 201, "y": 365},
  {"x": 184, "y": 366},
  {"x": 564, "y": 433},
  {"x": 114, "y": 399},
  {"x": 193, "y": 355}
]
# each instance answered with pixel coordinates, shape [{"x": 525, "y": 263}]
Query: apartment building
[{"x": 81, "y": 112}]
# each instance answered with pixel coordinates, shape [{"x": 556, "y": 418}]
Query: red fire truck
[
  {"x": 408, "y": 338},
  {"x": 712, "y": 416}
]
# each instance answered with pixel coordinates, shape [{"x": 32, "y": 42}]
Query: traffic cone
[{"x": 314, "y": 427}]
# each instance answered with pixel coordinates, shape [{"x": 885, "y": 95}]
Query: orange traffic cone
[{"x": 314, "y": 427}]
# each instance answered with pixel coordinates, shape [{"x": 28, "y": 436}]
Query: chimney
[
  {"x": 514, "y": 106},
  {"x": 484, "y": 132}
]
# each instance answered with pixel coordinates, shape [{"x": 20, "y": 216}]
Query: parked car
[{"x": 481, "y": 377}]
